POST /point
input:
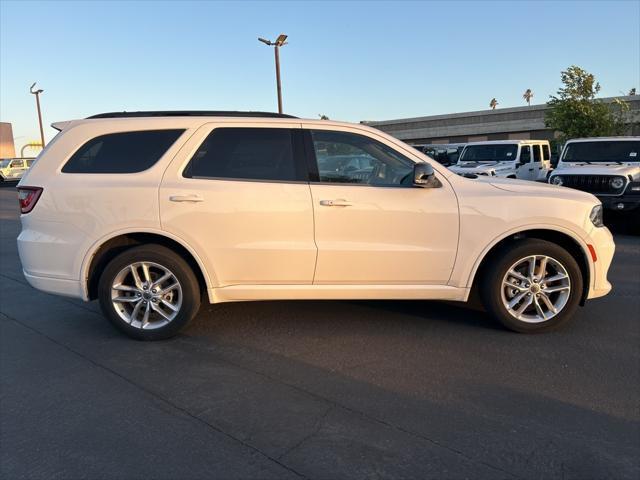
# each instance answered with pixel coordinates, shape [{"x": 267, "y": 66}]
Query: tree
[
  {"x": 632, "y": 92},
  {"x": 493, "y": 104},
  {"x": 575, "y": 112},
  {"x": 528, "y": 95}
]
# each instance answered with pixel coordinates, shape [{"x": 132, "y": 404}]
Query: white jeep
[
  {"x": 607, "y": 167},
  {"x": 12, "y": 169},
  {"x": 522, "y": 159}
]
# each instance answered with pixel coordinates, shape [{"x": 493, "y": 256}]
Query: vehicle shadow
[{"x": 623, "y": 224}]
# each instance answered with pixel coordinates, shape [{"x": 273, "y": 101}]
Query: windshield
[
  {"x": 602, "y": 152},
  {"x": 489, "y": 153}
]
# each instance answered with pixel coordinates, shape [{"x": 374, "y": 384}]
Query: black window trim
[
  {"x": 70, "y": 156},
  {"x": 314, "y": 174},
  {"x": 297, "y": 146}
]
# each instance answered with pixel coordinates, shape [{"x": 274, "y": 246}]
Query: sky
[{"x": 351, "y": 61}]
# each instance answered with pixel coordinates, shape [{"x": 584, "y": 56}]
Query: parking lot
[{"x": 317, "y": 389}]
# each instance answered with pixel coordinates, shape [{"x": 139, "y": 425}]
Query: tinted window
[
  {"x": 349, "y": 158},
  {"x": 525, "y": 154},
  {"x": 604, "y": 151},
  {"x": 536, "y": 153},
  {"x": 126, "y": 152},
  {"x": 247, "y": 153},
  {"x": 504, "y": 152},
  {"x": 546, "y": 155}
]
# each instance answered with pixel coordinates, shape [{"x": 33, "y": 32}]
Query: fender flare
[
  {"x": 523, "y": 229},
  {"x": 209, "y": 277}
]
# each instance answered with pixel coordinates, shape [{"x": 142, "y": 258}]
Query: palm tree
[
  {"x": 528, "y": 95},
  {"x": 493, "y": 104},
  {"x": 323, "y": 117},
  {"x": 632, "y": 91}
]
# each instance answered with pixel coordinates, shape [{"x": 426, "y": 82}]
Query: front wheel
[
  {"x": 149, "y": 292},
  {"x": 532, "y": 286}
]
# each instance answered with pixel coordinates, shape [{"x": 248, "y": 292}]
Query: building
[
  {"x": 516, "y": 123},
  {"x": 7, "y": 147}
]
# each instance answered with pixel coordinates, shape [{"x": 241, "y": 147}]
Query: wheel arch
[
  {"x": 111, "y": 246},
  {"x": 570, "y": 242}
]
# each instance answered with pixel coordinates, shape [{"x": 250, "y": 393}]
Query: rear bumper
[{"x": 57, "y": 286}]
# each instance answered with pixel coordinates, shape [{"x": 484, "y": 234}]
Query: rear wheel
[
  {"x": 149, "y": 292},
  {"x": 532, "y": 286}
]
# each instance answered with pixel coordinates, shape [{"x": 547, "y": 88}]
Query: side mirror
[{"x": 424, "y": 176}]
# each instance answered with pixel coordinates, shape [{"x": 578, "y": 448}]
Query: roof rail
[{"x": 190, "y": 113}]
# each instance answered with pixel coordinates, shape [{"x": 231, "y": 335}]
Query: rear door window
[
  {"x": 248, "y": 154},
  {"x": 536, "y": 153},
  {"x": 546, "y": 155},
  {"x": 123, "y": 152}
]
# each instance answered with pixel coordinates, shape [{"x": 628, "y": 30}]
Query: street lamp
[
  {"x": 37, "y": 94},
  {"x": 280, "y": 41}
]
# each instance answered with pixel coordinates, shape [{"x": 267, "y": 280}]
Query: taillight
[{"x": 28, "y": 197}]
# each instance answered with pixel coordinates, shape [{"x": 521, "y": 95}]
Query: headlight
[
  {"x": 557, "y": 180},
  {"x": 617, "y": 183},
  {"x": 596, "y": 216}
]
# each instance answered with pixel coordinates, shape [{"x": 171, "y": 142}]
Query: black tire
[
  {"x": 190, "y": 290},
  {"x": 492, "y": 275}
]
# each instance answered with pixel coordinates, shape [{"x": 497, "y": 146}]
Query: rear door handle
[
  {"x": 186, "y": 198},
  {"x": 340, "y": 202}
]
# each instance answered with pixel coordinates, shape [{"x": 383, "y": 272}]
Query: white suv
[
  {"x": 521, "y": 159},
  {"x": 150, "y": 212}
]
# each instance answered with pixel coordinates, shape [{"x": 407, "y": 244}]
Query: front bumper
[
  {"x": 620, "y": 203},
  {"x": 602, "y": 242}
]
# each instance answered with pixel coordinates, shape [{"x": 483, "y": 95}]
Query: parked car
[
  {"x": 12, "y": 169},
  {"x": 150, "y": 212},
  {"x": 445, "y": 154},
  {"x": 521, "y": 159},
  {"x": 608, "y": 167}
]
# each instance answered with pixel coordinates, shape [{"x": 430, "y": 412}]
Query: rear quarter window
[{"x": 123, "y": 152}]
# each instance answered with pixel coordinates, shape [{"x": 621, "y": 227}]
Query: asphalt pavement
[{"x": 327, "y": 390}]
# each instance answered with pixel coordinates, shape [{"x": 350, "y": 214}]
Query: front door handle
[
  {"x": 340, "y": 202},
  {"x": 186, "y": 198}
]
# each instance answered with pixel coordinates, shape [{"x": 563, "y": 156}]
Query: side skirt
[{"x": 243, "y": 293}]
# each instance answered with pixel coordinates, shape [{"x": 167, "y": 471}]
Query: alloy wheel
[
  {"x": 146, "y": 295},
  {"x": 535, "y": 288}
]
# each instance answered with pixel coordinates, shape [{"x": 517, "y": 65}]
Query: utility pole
[
  {"x": 280, "y": 41},
  {"x": 37, "y": 94}
]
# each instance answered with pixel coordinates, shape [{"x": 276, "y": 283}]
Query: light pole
[
  {"x": 37, "y": 94},
  {"x": 280, "y": 41}
]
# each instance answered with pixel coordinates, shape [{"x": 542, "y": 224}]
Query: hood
[
  {"x": 605, "y": 169},
  {"x": 537, "y": 188},
  {"x": 482, "y": 168}
]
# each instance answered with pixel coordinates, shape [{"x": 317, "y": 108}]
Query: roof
[
  {"x": 621, "y": 138},
  {"x": 507, "y": 142},
  {"x": 189, "y": 113}
]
